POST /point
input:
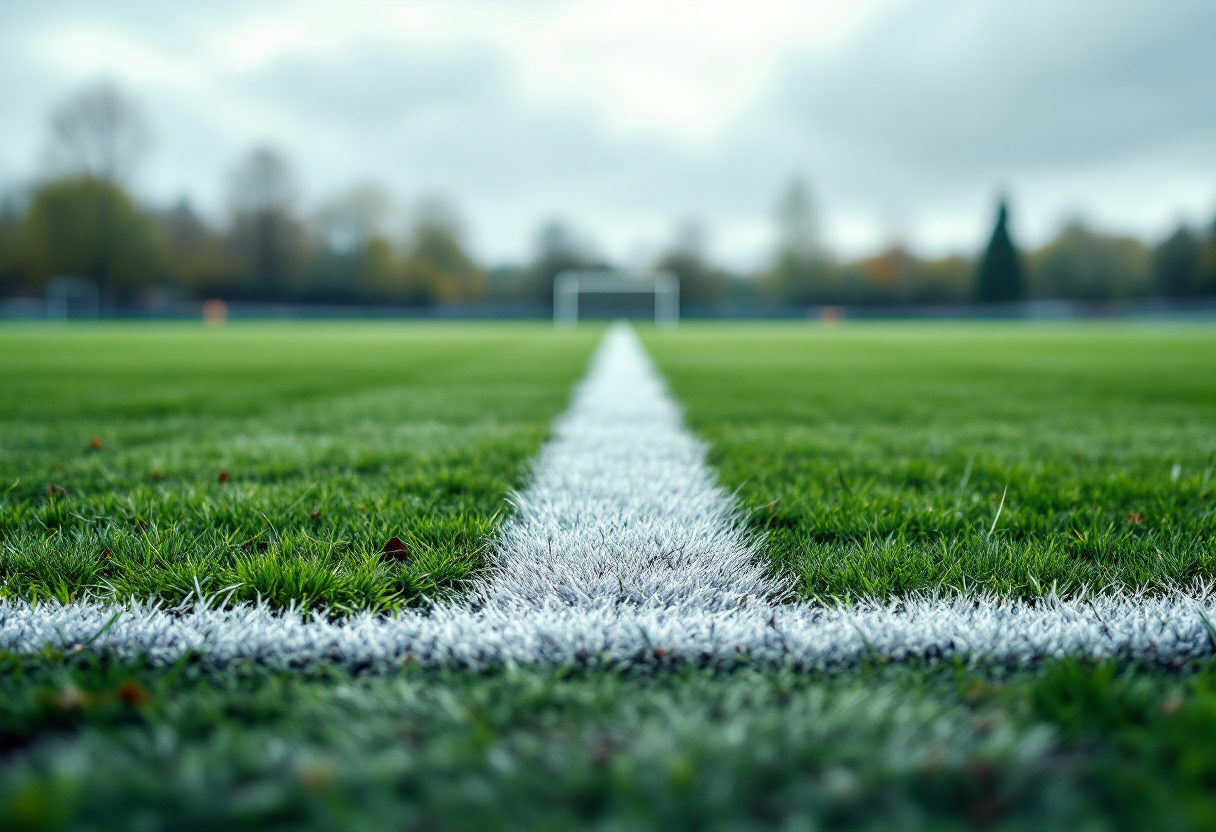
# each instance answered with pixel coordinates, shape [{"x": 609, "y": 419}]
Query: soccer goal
[{"x": 570, "y": 285}]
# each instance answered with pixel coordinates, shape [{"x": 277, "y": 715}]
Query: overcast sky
[{"x": 623, "y": 118}]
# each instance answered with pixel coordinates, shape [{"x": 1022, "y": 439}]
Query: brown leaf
[
  {"x": 1135, "y": 518},
  {"x": 132, "y": 694},
  {"x": 394, "y": 550},
  {"x": 314, "y": 777},
  {"x": 95, "y": 443},
  {"x": 53, "y": 490},
  {"x": 223, "y": 477}
]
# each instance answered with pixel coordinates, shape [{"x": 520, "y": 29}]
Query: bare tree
[
  {"x": 687, "y": 258},
  {"x": 265, "y": 234},
  {"x": 348, "y": 222},
  {"x": 798, "y": 222},
  {"x": 803, "y": 272},
  {"x": 691, "y": 239},
  {"x": 262, "y": 183},
  {"x": 98, "y": 132}
]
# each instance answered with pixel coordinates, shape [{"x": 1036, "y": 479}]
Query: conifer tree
[{"x": 1000, "y": 278}]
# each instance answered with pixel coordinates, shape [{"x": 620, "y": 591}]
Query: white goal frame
[{"x": 568, "y": 285}]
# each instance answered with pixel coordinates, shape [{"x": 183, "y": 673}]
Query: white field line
[
  {"x": 624, "y": 549},
  {"x": 622, "y": 508}
]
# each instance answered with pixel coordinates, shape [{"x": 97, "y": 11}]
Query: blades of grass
[{"x": 999, "y": 509}]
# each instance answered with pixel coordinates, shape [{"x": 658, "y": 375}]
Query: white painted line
[
  {"x": 1168, "y": 629},
  {"x": 622, "y": 507},
  {"x": 624, "y": 549}
]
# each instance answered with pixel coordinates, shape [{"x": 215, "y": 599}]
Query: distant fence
[
  {"x": 38, "y": 309},
  {"x": 1027, "y": 311}
]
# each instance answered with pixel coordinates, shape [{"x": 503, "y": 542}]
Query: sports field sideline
[{"x": 903, "y": 472}]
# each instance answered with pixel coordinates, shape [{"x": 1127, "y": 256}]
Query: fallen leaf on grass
[
  {"x": 1135, "y": 518},
  {"x": 394, "y": 550},
  {"x": 95, "y": 443},
  {"x": 132, "y": 694},
  {"x": 223, "y": 477}
]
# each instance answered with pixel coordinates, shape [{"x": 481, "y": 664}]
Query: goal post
[{"x": 570, "y": 284}]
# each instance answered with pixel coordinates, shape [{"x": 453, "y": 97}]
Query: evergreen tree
[{"x": 1000, "y": 278}]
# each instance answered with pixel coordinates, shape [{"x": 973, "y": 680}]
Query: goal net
[{"x": 570, "y": 286}]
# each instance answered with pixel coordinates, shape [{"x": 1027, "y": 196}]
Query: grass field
[
  {"x": 333, "y": 438},
  {"x": 1062, "y": 748},
  {"x": 874, "y": 457}
]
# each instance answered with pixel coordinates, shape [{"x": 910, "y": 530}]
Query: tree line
[
  {"x": 81, "y": 221},
  {"x": 1080, "y": 264}
]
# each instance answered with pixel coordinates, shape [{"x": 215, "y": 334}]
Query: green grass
[
  {"x": 876, "y": 456},
  {"x": 91, "y": 745},
  {"x": 334, "y": 438}
]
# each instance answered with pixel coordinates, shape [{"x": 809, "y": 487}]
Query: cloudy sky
[{"x": 625, "y": 117}]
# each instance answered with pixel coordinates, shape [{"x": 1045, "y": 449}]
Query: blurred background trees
[
  {"x": 803, "y": 272},
  {"x": 1175, "y": 264},
  {"x": 11, "y": 273},
  {"x": 1184, "y": 264},
  {"x": 267, "y": 239},
  {"x": 81, "y": 222},
  {"x": 87, "y": 227},
  {"x": 558, "y": 248},
  {"x": 99, "y": 133},
  {"x": 435, "y": 258},
  {"x": 1081, "y": 264},
  {"x": 357, "y": 247},
  {"x": 701, "y": 284},
  {"x": 199, "y": 259}
]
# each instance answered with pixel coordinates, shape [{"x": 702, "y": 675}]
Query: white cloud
[{"x": 625, "y": 116}]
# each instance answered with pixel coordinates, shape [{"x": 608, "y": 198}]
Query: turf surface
[
  {"x": 90, "y": 745},
  {"x": 331, "y": 439},
  {"x": 876, "y": 457}
]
